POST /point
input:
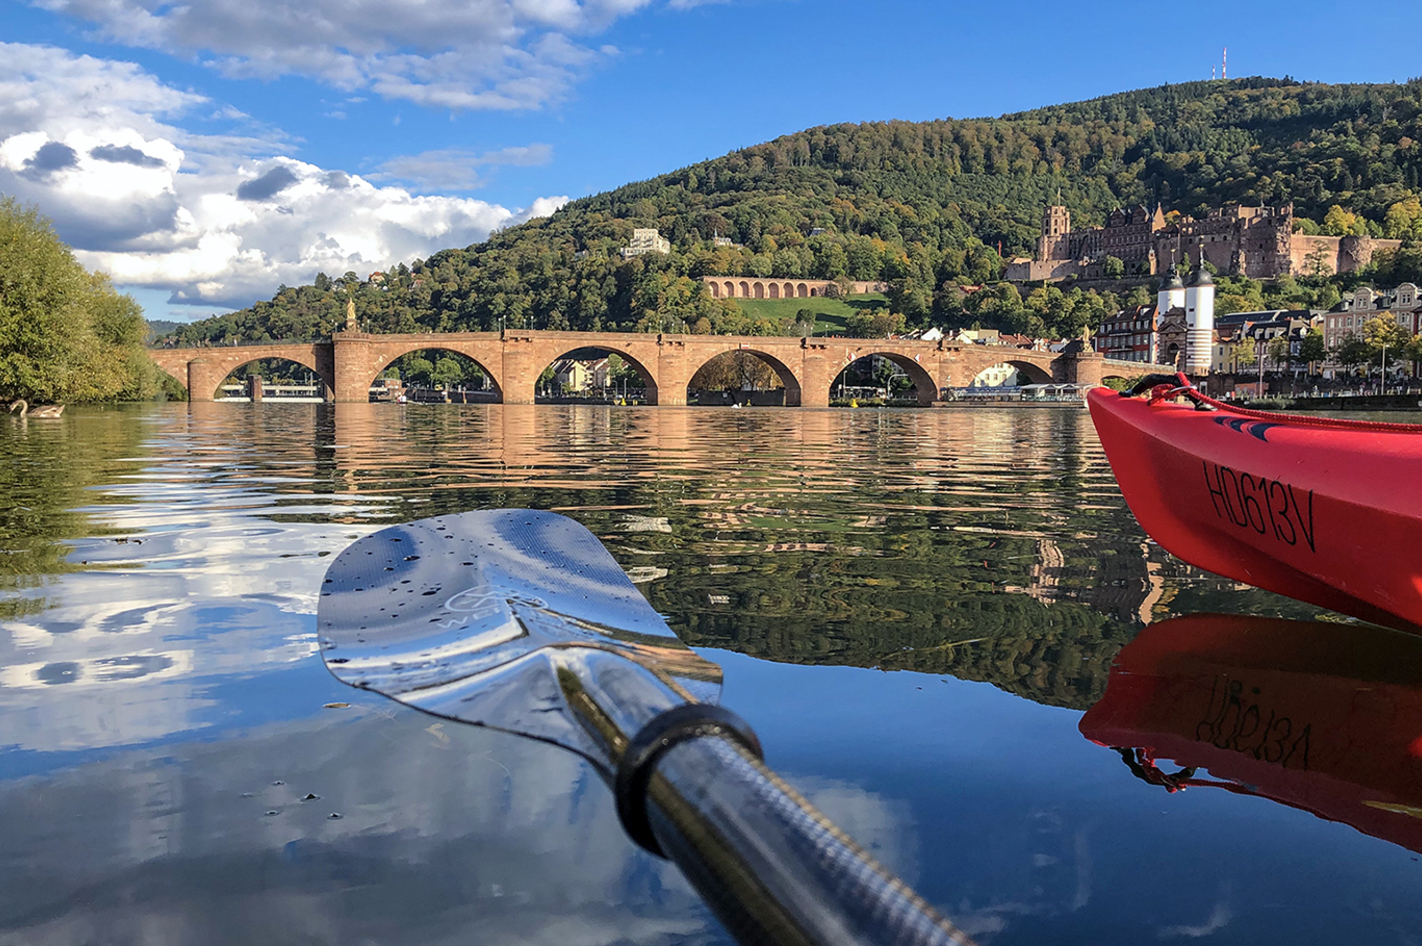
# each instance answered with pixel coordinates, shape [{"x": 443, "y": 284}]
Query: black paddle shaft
[{"x": 775, "y": 870}]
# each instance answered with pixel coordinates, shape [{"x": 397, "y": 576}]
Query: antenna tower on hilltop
[{"x": 1224, "y": 64}]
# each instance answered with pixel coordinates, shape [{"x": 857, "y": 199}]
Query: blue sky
[{"x": 205, "y": 154}]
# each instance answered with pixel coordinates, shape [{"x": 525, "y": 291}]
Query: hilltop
[{"x": 926, "y": 207}]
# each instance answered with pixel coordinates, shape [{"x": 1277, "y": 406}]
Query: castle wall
[{"x": 1039, "y": 270}]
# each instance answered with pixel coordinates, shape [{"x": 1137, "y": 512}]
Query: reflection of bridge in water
[{"x": 349, "y": 362}]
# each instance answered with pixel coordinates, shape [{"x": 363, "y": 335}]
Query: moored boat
[
  {"x": 1320, "y": 716},
  {"x": 1324, "y": 510}
]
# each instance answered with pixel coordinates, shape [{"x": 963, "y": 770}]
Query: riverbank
[{"x": 1356, "y": 402}]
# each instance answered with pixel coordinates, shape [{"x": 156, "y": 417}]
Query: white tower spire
[{"x": 1199, "y": 321}]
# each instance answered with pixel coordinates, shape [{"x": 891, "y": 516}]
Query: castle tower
[
  {"x": 1054, "y": 242},
  {"x": 1172, "y": 292},
  {"x": 1199, "y": 322}
]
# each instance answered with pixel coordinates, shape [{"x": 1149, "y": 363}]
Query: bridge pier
[
  {"x": 1083, "y": 368},
  {"x": 203, "y": 379},
  {"x": 673, "y": 372},
  {"x": 519, "y": 383},
  {"x": 817, "y": 372},
  {"x": 355, "y": 364}
]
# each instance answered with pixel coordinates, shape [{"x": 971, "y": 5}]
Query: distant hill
[
  {"x": 925, "y": 206},
  {"x": 157, "y": 328}
]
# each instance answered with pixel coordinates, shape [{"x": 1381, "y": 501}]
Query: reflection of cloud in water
[
  {"x": 1040, "y": 867},
  {"x": 94, "y": 671},
  {"x": 188, "y": 597},
  {"x": 1218, "y": 920},
  {"x": 473, "y": 837},
  {"x": 882, "y": 826}
]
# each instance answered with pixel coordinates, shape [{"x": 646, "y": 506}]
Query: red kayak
[
  {"x": 1326, "y": 511},
  {"x": 1322, "y": 717}
]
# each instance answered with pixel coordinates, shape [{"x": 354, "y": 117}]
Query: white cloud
[
  {"x": 456, "y": 54},
  {"x": 221, "y": 217}
]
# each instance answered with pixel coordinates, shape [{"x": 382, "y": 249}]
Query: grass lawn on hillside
[{"x": 829, "y": 313}]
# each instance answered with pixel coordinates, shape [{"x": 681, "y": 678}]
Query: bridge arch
[
  {"x": 793, "y": 391},
  {"x": 1034, "y": 373},
  {"x": 775, "y": 290},
  {"x": 388, "y": 356},
  {"x": 924, "y": 386},
  {"x": 238, "y": 360},
  {"x": 180, "y": 377},
  {"x": 647, "y": 375}
]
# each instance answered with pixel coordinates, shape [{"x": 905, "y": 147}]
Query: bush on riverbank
[{"x": 65, "y": 334}]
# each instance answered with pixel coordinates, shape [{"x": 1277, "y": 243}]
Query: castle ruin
[{"x": 1258, "y": 242}]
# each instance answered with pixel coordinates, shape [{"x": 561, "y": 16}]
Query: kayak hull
[{"x": 1330, "y": 515}]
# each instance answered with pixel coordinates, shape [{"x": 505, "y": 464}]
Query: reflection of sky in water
[{"x": 162, "y": 720}]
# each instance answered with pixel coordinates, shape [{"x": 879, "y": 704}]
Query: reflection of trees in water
[
  {"x": 48, "y": 468},
  {"x": 1055, "y": 654}
]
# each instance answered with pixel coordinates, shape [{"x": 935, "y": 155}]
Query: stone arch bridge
[{"x": 349, "y": 362}]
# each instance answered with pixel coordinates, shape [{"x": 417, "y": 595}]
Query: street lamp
[{"x": 1262, "y": 350}]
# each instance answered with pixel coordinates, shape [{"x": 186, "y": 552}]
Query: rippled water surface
[{"x": 913, "y": 608}]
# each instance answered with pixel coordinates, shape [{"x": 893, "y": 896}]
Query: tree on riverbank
[{"x": 65, "y": 334}]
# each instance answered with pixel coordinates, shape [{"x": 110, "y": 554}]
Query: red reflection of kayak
[
  {"x": 1323, "y": 717},
  {"x": 1326, "y": 511}
]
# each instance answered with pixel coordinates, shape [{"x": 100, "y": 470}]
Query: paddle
[{"x": 521, "y": 621}]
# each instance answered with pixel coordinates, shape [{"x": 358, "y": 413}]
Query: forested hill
[{"x": 922, "y": 205}]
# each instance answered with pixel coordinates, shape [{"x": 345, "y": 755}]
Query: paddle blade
[{"x": 491, "y": 617}]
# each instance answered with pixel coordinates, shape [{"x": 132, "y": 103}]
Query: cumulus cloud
[
  {"x": 457, "y": 54},
  {"x": 458, "y": 168},
  {"x": 219, "y": 216}
]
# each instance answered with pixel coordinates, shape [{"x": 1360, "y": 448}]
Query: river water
[{"x": 914, "y": 608}]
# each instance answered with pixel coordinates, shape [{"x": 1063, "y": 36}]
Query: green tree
[
  {"x": 1311, "y": 348},
  {"x": 1403, "y": 220},
  {"x": 65, "y": 334},
  {"x": 1383, "y": 336},
  {"x": 1113, "y": 268},
  {"x": 1340, "y": 222},
  {"x": 416, "y": 369},
  {"x": 447, "y": 372},
  {"x": 1412, "y": 351},
  {"x": 1280, "y": 354},
  {"x": 1246, "y": 352},
  {"x": 1354, "y": 351}
]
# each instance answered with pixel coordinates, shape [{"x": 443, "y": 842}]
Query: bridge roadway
[{"x": 349, "y": 362}]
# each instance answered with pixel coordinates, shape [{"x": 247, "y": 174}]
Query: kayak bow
[{"x": 1322, "y": 510}]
